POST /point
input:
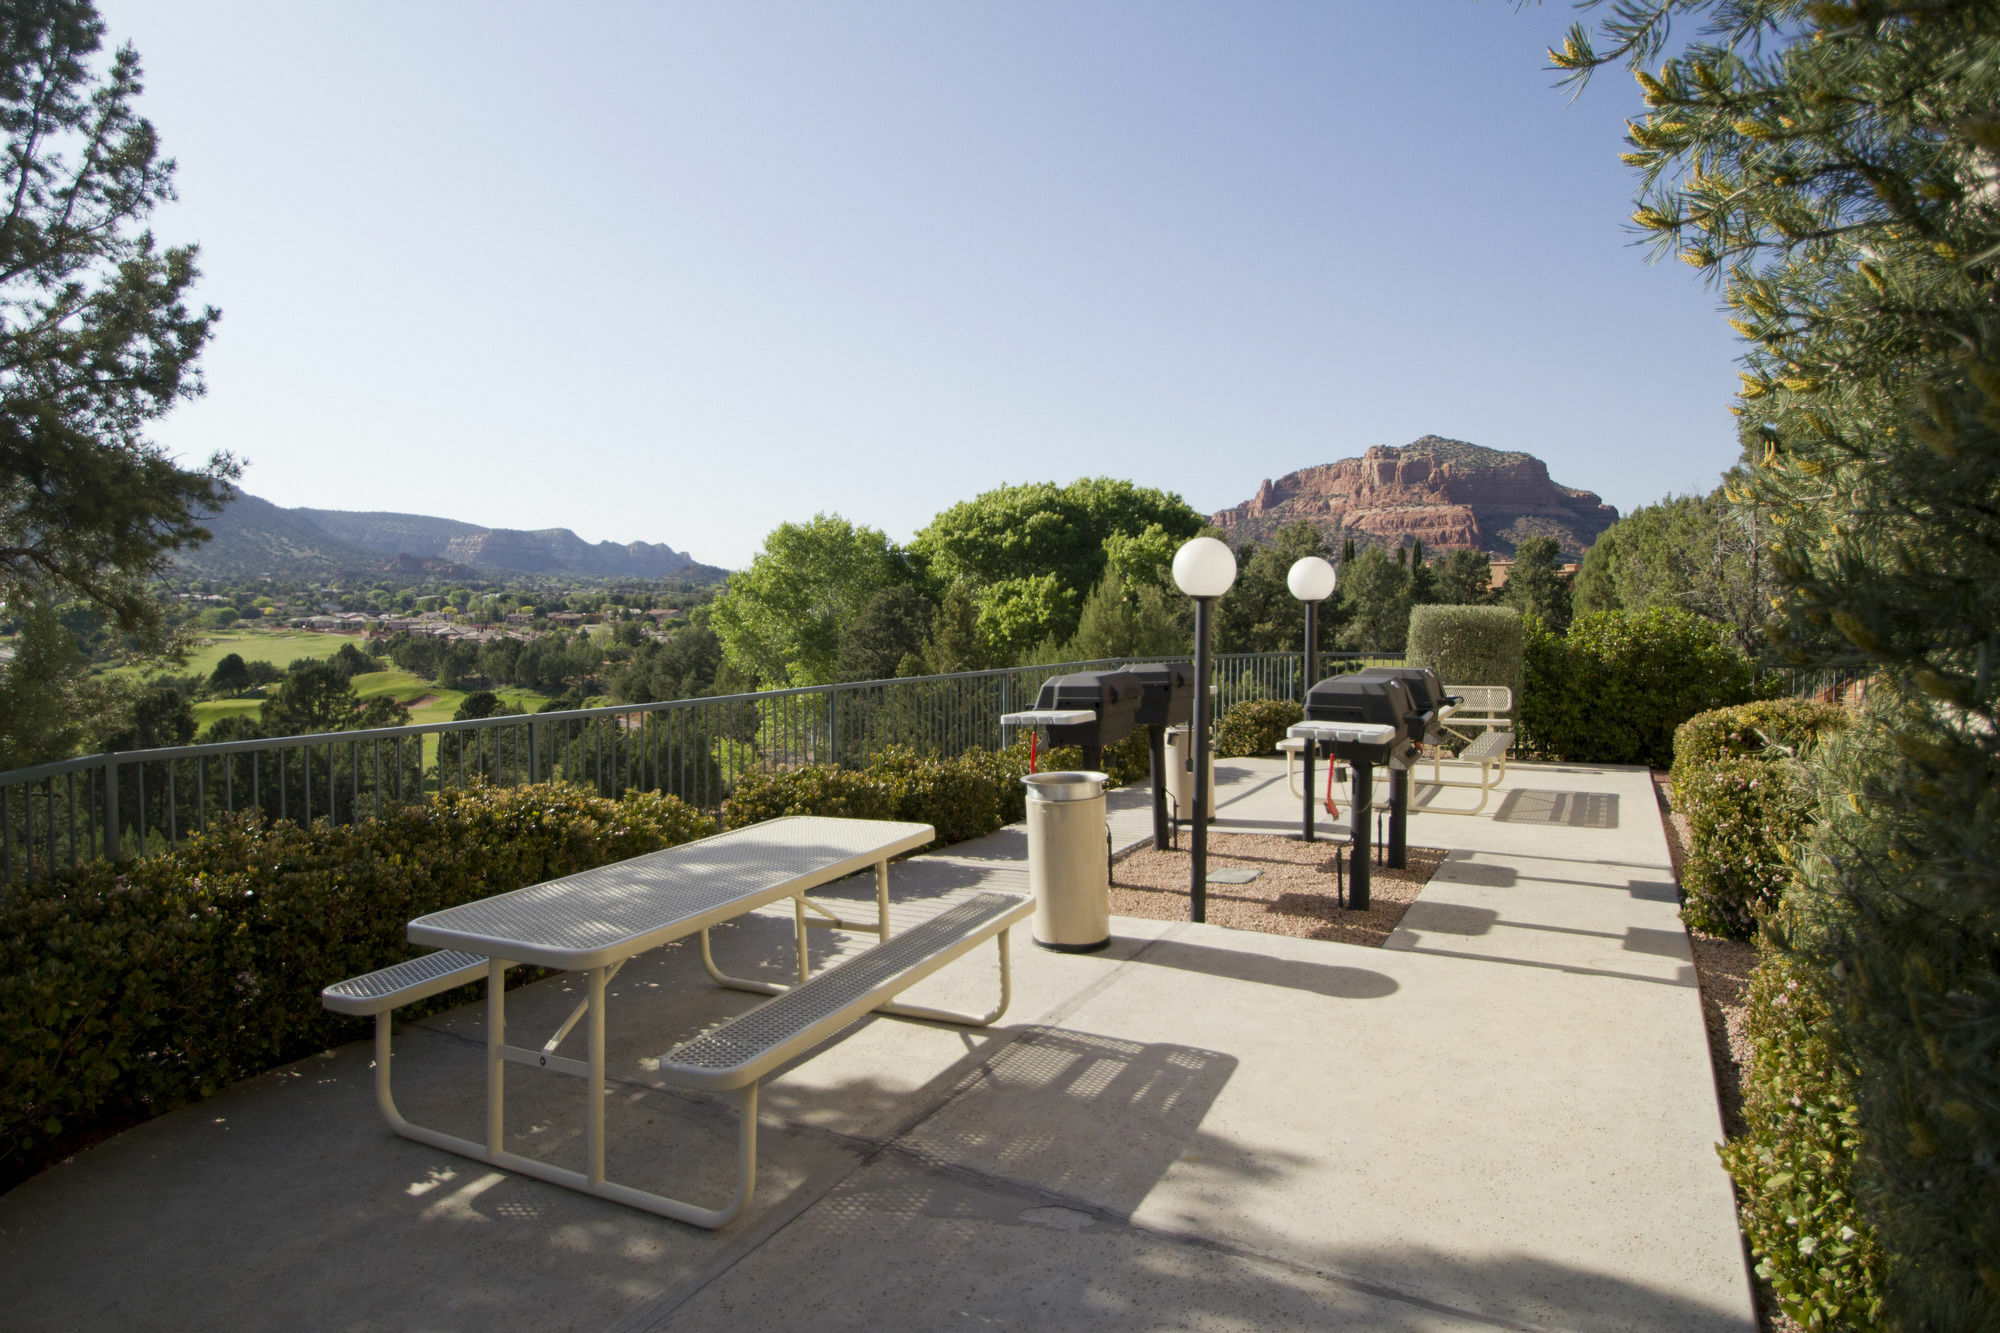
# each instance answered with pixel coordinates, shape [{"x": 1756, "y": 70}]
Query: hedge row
[
  {"x": 1794, "y": 1164},
  {"x": 132, "y": 987},
  {"x": 964, "y": 797},
  {"x": 1735, "y": 779},
  {"x": 1617, "y": 685},
  {"x": 1739, "y": 780}
]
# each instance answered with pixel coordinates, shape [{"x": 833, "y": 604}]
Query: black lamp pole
[
  {"x": 1198, "y": 751},
  {"x": 1306, "y": 751}
]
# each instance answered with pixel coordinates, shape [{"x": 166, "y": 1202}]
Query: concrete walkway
[{"x": 1504, "y": 1119}]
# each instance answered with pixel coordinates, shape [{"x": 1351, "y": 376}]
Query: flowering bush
[{"x": 1793, "y": 1166}]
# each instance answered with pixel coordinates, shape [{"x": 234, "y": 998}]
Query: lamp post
[
  {"x": 1203, "y": 569},
  {"x": 1312, "y": 581}
]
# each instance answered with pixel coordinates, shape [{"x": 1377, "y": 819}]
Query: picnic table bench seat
[{"x": 392, "y": 987}]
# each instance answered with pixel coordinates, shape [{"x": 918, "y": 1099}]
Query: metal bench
[
  {"x": 736, "y": 1056},
  {"x": 1488, "y": 751}
]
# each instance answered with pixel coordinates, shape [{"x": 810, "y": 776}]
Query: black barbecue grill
[
  {"x": 1426, "y": 694},
  {"x": 1114, "y": 697},
  {"x": 1369, "y": 720}
]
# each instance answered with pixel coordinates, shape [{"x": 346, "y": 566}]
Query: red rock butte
[{"x": 1448, "y": 494}]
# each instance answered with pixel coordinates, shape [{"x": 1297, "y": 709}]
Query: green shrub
[
  {"x": 810, "y": 789},
  {"x": 1752, "y": 729},
  {"x": 1736, "y": 779},
  {"x": 1254, "y": 727},
  {"x": 1469, "y": 645},
  {"x": 1614, "y": 688},
  {"x": 1794, "y": 1164},
  {"x": 134, "y": 986},
  {"x": 1743, "y": 819}
]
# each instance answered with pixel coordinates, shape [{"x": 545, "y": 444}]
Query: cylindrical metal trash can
[
  {"x": 1066, "y": 863},
  {"x": 1180, "y": 772}
]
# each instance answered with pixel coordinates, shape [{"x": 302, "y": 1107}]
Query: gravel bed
[{"x": 1294, "y": 893}]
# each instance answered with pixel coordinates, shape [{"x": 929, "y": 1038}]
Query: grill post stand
[
  {"x": 1361, "y": 808},
  {"x": 1306, "y": 757},
  {"x": 1399, "y": 818},
  {"x": 1156, "y": 755}
]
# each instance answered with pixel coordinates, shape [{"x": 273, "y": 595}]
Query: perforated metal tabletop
[{"x": 598, "y": 917}]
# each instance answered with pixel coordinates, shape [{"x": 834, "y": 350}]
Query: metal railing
[{"x": 105, "y": 806}]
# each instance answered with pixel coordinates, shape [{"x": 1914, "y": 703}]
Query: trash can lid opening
[{"x": 1065, "y": 786}]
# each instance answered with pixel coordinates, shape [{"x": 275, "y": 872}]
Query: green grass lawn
[
  {"x": 404, "y": 687},
  {"x": 280, "y": 648}
]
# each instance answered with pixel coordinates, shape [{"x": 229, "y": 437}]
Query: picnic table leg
[
  {"x": 882, "y": 896},
  {"x": 496, "y": 1063},
  {"x": 799, "y": 924},
  {"x": 594, "y": 1107}
]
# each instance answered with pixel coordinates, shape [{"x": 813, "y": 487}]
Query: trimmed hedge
[
  {"x": 1736, "y": 780},
  {"x": 132, "y": 987},
  {"x": 1470, "y": 645},
  {"x": 1794, "y": 1165},
  {"x": 1752, "y": 729},
  {"x": 1613, "y": 690},
  {"x": 1254, "y": 727}
]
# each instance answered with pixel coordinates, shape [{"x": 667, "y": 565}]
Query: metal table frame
[{"x": 596, "y": 921}]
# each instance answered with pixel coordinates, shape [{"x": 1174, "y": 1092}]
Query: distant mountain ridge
[
  {"x": 254, "y": 536},
  {"x": 1449, "y": 494}
]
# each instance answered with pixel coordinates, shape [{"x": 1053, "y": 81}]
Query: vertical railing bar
[
  {"x": 376, "y": 746},
  {"x": 140, "y": 769},
  {"x": 201, "y": 794},
  {"x": 6, "y": 834},
  {"x": 283, "y": 812}
]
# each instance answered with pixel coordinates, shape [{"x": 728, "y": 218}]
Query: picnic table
[{"x": 595, "y": 921}]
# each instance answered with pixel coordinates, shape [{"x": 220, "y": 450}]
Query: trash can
[
  {"x": 1180, "y": 773},
  {"x": 1066, "y": 864}
]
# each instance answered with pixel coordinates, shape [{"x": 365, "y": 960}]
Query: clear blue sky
[{"x": 676, "y": 272}]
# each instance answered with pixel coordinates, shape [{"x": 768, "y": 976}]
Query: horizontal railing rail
[{"x": 104, "y": 806}]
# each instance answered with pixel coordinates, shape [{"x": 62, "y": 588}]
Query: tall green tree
[
  {"x": 1374, "y": 611},
  {"x": 892, "y": 626},
  {"x": 1536, "y": 584},
  {"x": 1835, "y": 169},
  {"x": 1260, "y": 615},
  {"x": 97, "y": 337},
  {"x": 1122, "y": 621},
  {"x": 1464, "y": 578},
  {"x": 1700, "y": 553},
  {"x": 1029, "y": 554},
  {"x": 780, "y": 620}
]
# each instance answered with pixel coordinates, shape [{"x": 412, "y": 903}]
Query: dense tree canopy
[
  {"x": 1835, "y": 168},
  {"x": 97, "y": 338},
  {"x": 780, "y": 620},
  {"x": 1700, "y": 553},
  {"x": 1030, "y": 554}
]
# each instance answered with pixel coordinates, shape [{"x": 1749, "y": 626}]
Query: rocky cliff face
[{"x": 1446, "y": 493}]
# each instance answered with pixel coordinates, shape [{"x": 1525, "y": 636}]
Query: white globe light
[
  {"x": 1312, "y": 579},
  {"x": 1204, "y": 568}
]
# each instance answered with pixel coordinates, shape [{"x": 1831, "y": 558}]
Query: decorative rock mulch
[{"x": 1292, "y": 895}]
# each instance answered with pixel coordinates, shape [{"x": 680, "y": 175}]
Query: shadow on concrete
[
  {"x": 1576, "y": 809},
  {"x": 1342, "y": 983},
  {"x": 1485, "y": 874},
  {"x": 1001, "y": 1254}
]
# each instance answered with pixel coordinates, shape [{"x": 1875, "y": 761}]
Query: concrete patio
[{"x": 1504, "y": 1119}]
